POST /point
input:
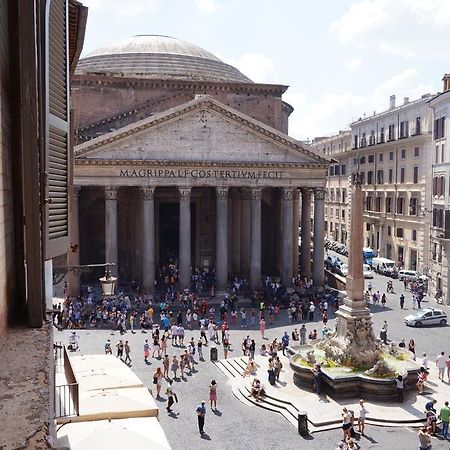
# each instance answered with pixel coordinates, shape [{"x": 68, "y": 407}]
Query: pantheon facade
[{"x": 180, "y": 157}]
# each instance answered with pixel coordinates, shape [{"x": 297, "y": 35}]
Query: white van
[
  {"x": 384, "y": 266},
  {"x": 410, "y": 275}
]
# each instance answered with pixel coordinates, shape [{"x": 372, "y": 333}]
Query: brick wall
[{"x": 6, "y": 207}]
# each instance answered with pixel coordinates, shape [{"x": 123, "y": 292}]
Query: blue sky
[{"x": 342, "y": 59}]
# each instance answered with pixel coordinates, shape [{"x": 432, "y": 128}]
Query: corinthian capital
[
  {"x": 148, "y": 192},
  {"x": 306, "y": 193},
  {"x": 185, "y": 192},
  {"x": 288, "y": 194},
  {"x": 111, "y": 193},
  {"x": 222, "y": 192},
  {"x": 319, "y": 193},
  {"x": 256, "y": 193}
]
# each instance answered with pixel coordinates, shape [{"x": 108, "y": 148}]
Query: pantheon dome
[{"x": 165, "y": 57}]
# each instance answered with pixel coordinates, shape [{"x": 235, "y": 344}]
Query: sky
[{"x": 340, "y": 58}]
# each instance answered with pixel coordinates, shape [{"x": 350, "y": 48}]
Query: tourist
[
  {"x": 262, "y": 327},
  {"x": 362, "y": 416},
  {"x": 243, "y": 318},
  {"x": 311, "y": 310},
  {"x": 166, "y": 365},
  {"x": 284, "y": 342},
  {"x": 317, "y": 378},
  {"x": 171, "y": 395},
  {"x": 250, "y": 368},
  {"x": 157, "y": 379},
  {"x": 346, "y": 423},
  {"x": 430, "y": 414},
  {"x": 402, "y": 301},
  {"x": 271, "y": 372},
  {"x": 156, "y": 347},
  {"x": 277, "y": 365},
  {"x": 226, "y": 347},
  {"x": 120, "y": 346},
  {"x": 441, "y": 364},
  {"x": 402, "y": 344},
  {"x": 295, "y": 335},
  {"x": 400, "y": 386},
  {"x": 213, "y": 394},
  {"x": 425, "y": 438},
  {"x": 256, "y": 390},
  {"x": 303, "y": 335},
  {"x": 200, "y": 349},
  {"x": 425, "y": 361},
  {"x": 412, "y": 348},
  {"x": 263, "y": 350},
  {"x": 201, "y": 413},
  {"x": 383, "y": 300},
  {"x": 313, "y": 334},
  {"x": 175, "y": 366},
  {"x": 444, "y": 416},
  {"x": 146, "y": 351},
  {"x": 421, "y": 379},
  {"x": 108, "y": 349},
  {"x": 447, "y": 363},
  {"x": 127, "y": 353}
]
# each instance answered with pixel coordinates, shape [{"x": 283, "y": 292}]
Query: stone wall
[{"x": 6, "y": 195}]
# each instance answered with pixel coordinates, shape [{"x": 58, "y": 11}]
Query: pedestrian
[
  {"x": 317, "y": 378},
  {"x": 127, "y": 353},
  {"x": 412, "y": 348},
  {"x": 444, "y": 416},
  {"x": 425, "y": 438},
  {"x": 303, "y": 335},
  {"x": 383, "y": 335},
  {"x": 419, "y": 300},
  {"x": 447, "y": 363},
  {"x": 425, "y": 361},
  {"x": 131, "y": 320},
  {"x": 252, "y": 349},
  {"x": 157, "y": 379},
  {"x": 226, "y": 347},
  {"x": 441, "y": 364},
  {"x": 369, "y": 287},
  {"x": 171, "y": 396},
  {"x": 108, "y": 349},
  {"x": 213, "y": 394},
  {"x": 414, "y": 300},
  {"x": 262, "y": 327},
  {"x": 362, "y": 417},
  {"x": 311, "y": 310},
  {"x": 383, "y": 300},
  {"x": 166, "y": 365},
  {"x": 120, "y": 347},
  {"x": 277, "y": 365},
  {"x": 421, "y": 379},
  {"x": 346, "y": 423},
  {"x": 201, "y": 413},
  {"x": 400, "y": 386},
  {"x": 284, "y": 342},
  {"x": 163, "y": 344},
  {"x": 402, "y": 301},
  {"x": 243, "y": 318},
  {"x": 146, "y": 351},
  {"x": 200, "y": 350},
  {"x": 175, "y": 366}
]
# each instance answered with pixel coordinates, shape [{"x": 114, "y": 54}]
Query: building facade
[
  {"x": 440, "y": 225},
  {"x": 181, "y": 158}
]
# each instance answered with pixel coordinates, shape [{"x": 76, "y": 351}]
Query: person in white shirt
[
  {"x": 425, "y": 361},
  {"x": 362, "y": 416},
  {"x": 441, "y": 364}
]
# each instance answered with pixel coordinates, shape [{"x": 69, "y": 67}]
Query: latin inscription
[{"x": 202, "y": 173}]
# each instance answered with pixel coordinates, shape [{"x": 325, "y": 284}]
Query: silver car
[{"x": 428, "y": 316}]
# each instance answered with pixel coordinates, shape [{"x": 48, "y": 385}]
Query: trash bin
[
  {"x": 213, "y": 353},
  {"x": 303, "y": 423}
]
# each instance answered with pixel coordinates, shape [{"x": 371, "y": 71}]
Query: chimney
[
  {"x": 405, "y": 100},
  {"x": 392, "y": 102},
  {"x": 446, "y": 81}
]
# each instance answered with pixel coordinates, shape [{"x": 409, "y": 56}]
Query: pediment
[{"x": 201, "y": 130}]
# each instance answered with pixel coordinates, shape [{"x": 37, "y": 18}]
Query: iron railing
[{"x": 66, "y": 395}]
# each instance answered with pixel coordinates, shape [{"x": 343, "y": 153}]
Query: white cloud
[
  {"x": 120, "y": 8},
  {"x": 354, "y": 63},
  {"x": 330, "y": 112},
  {"x": 207, "y": 6},
  {"x": 257, "y": 66},
  {"x": 402, "y": 27}
]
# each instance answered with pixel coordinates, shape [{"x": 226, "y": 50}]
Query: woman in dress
[
  {"x": 213, "y": 394},
  {"x": 163, "y": 344},
  {"x": 262, "y": 327},
  {"x": 412, "y": 348},
  {"x": 277, "y": 365},
  {"x": 226, "y": 346},
  {"x": 157, "y": 379},
  {"x": 175, "y": 366}
]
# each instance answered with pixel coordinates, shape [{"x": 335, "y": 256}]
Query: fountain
[{"x": 353, "y": 361}]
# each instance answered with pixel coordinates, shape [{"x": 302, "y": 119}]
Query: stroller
[{"x": 73, "y": 342}]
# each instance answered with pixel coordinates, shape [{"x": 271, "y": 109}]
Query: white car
[
  {"x": 367, "y": 271},
  {"x": 343, "y": 270},
  {"x": 427, "y": 316}
]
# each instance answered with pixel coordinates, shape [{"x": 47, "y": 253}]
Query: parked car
[
  {"x": 410, "y": 275},
  {"x": 427, "y": 316},
  {"x": 342, "y": 270},
  {"x": 367, "y": 271},
  {"x": 384, "y": 266}
]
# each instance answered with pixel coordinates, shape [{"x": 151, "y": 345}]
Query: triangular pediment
[{"x": 200, "y": 130}]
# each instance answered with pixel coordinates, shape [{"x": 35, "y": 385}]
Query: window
[
  {"x": 369, "y": 203},
  {"x": 439, "y": 128},
  {"x": 402, "y": 175},
  {"x": 363, "y": 141},
  {"x": 331, "y": 171},
  {"x": 391, "y": 175},
  {"x": 414, "y": 235},
  {"x": 442, "y": 153},
  {"x": 372, "y": 138},
  {"x": 362, "y": 160},
  {"x": 337, "y": 170},
  {"x": 343, "y": 169},
  {"x": 367, "y": 226},
  {"x": 381, "y": 141},
  {"x": 413, "y": 206},
  {"x": 416, "y": 152},
  {"x": 391, "y": 156},
  {"x": 434, "y": 252},
  {"x": 355, "y": 141},
  {"x": 404, "y": 129},
  {"x": 400, "y": 233},
  {"x": 389, "y": 204},
  {"x": 391, "y": 133},
  {"x": 380, "y": 157},
  {"x": 438, "y": 218},
  {"x": 363, "y": 178},
  {"x": 369, "y": 177},
  {"x": 380, "y": 177},
  {"x": 400, "y": 205},
  {"x": 343, "y": 214},
  {"x": 389, "y": 230},
  {"x": 403, "y": 153},
  {"x": 418, "y": 131},
  {"x": 416, "y": 174},
  {"x": 344, "y": 195},
  {"x": 378, "y": 204},
  {"x": 371, "y": 159}
]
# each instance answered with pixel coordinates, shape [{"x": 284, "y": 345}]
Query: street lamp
[{"x": 108, "y": 282}]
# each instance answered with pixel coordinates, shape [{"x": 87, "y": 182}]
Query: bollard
[
  {"x": 303, "y": 423},
  {"x": 213, "y": 353}
]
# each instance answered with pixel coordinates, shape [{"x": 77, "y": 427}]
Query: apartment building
[
  {"x": 440, "y": 210},
  {"x": 393, "y": 149},
  {"x": 337, "y": 190}
]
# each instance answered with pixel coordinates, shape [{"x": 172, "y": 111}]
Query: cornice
[
  {"x": 181, "y": 110},
  {"x": 177, "y": 163}
]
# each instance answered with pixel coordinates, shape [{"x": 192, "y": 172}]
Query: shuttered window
[{"x": 57, "y": 159}]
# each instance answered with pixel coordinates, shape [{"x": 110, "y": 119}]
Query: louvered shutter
[{"x": 57, "y": 160}]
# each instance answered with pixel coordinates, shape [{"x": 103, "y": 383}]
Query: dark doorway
[{"x": 169, "y": 232}]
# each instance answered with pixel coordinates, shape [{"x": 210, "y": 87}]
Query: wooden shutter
[{"x": 57, "y": 155}]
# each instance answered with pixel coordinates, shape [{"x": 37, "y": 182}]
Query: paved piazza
[{"x": 240, "y": 426}]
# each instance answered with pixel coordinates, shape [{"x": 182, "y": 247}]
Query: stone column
[
  {"x": 286, "y": 262},
  {"x": 148, "y": 241},
  {"x": 236, "y": 235},
  {"x": 245, "y": 232},
  {"x": 306, "y": 233},
  {"x": 255, "y": 237},
  {"x": 111, "y": 253},
  {"x": 185, "y": 238},
  {"x": 221, "y": 238},
  {"x": 296, "y": 223},
  {"x": 319, "y": 234},
  {"x": 73, "y": 255}
]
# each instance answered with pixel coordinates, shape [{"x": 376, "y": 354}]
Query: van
[
  {"x": 410, "y": 275},
  {"x": 384, "y": 266}
]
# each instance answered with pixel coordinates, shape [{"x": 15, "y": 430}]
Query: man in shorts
[{"x": 441, "y": 364}]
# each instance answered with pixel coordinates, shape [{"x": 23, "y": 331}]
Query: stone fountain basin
[{"x": 347, "y": 382}]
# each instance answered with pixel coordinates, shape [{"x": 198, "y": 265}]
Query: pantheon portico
[{"x": 200, "y": 182}]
